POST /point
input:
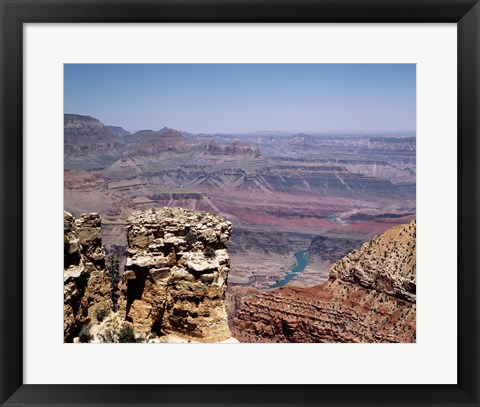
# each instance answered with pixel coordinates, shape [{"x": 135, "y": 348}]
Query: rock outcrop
[
  {"x": 75, "y": 278},
  {"x": 88, "y": 144},
  {"x": 86, "y": 286},
  {"x": 386, "y": 264},
  {"x": 98, "y": 291},
  {"x": 89, "y": 230},
  {"x": 175, "y": 276},
  {"x": 370, "y": 297}
]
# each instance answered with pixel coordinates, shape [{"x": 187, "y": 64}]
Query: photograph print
[{"x": 239, "y": 203}]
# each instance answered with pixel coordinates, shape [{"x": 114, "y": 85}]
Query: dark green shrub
[
  {"x": 210, "y": 252},
  {"x": 84, "y": 334},
  {"x": 190, "y": 237},
  {"x": 102, "y": 313},
  {"x": 126, "y": 334}
]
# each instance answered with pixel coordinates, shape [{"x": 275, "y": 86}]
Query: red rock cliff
[{"x": 370, "y": 297}]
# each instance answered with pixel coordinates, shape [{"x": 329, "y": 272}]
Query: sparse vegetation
[
  {"x": 102, "y": 313},
  {"x": 84, "y": 334},
  {"x": 126, "y": 334},
  {"x": 210, "y": 252},
  {"x": 190, "y": 237}
]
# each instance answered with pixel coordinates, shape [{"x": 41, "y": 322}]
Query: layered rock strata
[
  {"x": 88, "y": 144},
  {"x": 175, "y": 276},
  {"x": 386, "y": 264},
  {"x": 370, "y": 297},
  {"x": 86, "y": 286}
]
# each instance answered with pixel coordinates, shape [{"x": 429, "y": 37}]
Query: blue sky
[{"x": 242, "y": 98}]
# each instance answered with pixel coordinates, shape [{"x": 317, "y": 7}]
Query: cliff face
[
  {"x": 176, "y": 275},
  {"x": 88, "y": 144},
  {"x": 370, "y": 297},
  {"x": 86, "y": 287},
  {"x": 386, "y": 264}
]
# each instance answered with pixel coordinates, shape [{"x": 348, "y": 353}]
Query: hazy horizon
[
  {"x": 342, "y": 132},
  {"x": 246, "y": 98}
]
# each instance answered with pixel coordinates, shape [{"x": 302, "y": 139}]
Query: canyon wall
[{"x": 370, "y": 297}]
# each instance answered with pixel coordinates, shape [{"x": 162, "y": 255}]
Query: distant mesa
[
  {"x": 118, "y": 131},
  {"x": 88, "y": 144},
  {"x": 79, "y": 121},
  {"x": 161, "y": 137},
  {"x": 150, "y": 142}
]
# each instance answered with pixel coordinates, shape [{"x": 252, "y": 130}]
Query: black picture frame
[{"x": 14, "y": 13}]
